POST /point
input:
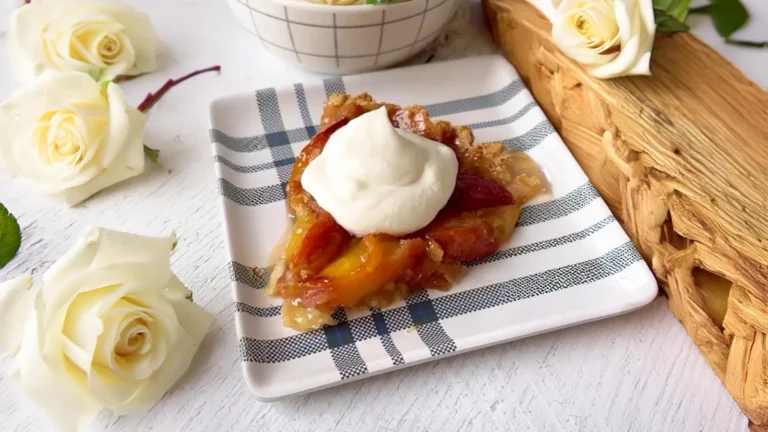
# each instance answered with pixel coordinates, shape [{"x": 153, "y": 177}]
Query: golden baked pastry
[{"x": 324, "y": 267}]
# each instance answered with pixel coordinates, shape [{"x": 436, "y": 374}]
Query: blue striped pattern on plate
[{"x": 568, "y": 262}]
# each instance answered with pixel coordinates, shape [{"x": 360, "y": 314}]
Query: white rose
[
  {"x": 80, "y": 35},
  {"x": 110, "y": 327},
  {"x": 69, "y": 138},
  {"x": 609, "y": 37}
]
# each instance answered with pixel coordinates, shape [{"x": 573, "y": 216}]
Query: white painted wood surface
[{"x": 637, "y": 372}]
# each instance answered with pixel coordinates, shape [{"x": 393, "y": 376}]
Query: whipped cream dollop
[{"x": 375, "y": 178}]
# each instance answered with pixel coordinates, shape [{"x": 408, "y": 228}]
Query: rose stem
[
  {"x": 152, "y": 98},
  {"x": 751, "y": 44}
]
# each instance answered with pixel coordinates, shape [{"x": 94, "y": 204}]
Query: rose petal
[
  {"x": 125, "y": 122},
  {"x": 643, "y": 65},
  {"x": 193, "y": 319},
  {"x": 133, "y": 372},
  {"x": 193, "y": 324},
  {"x": 109, "y": 391},
  {"x": 546, "y": 7},
  {"x": 45, "y": 381},
  {"x": 83, "y": 324},
  {"x": 76, "y": 259},
  {"x": 16, "y": 303},
  {"x": 161, "y": 324},
  {"x": 25, "y": 49},
  {"x": 102, "y": 248},
  {"x": 115, "y": 247},
  {"x": 123, "y": 156},
  {"x": 632, "y": 32},
  {"x": 169, "y": 373},
  {"x": 126, "y": 279},
  {"x": 71, "y": 43},
  {"x": 79, "y": 357},
  {"x": 176, "y": 291}
]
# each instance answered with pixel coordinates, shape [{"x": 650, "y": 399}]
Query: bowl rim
[{"x": 340, "y": 9}]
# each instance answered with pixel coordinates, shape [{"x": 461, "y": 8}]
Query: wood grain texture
[
  {"x": 637, "y": 372},
  {"x": 681, "y": 157}
]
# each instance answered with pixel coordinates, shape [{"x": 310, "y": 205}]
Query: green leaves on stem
[
  {"x": 151, "y": 154},
  {"x": 677, "y": 9},
  {"x": 728, "y": 16},
  {"x": 10, "y": 236},
  {"x": 666, "y": 23},
  {"x": 96, "y": 74},
  {"x": 670, "y": 15}
]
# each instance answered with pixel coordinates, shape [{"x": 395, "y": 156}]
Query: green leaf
[
  {"x": 10, "y": 236},
  {"x": 96, "y": 74},
  {"x": 728, "y": 16},
  {"x": 677, "y": 9},
  {"x": 152, "y": 154},
  {"x": 666, "y": 23},
  {"x": 700, "y": 10},
  {"x": 104, "y": 85}
]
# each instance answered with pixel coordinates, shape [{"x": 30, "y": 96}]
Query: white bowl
[{"x": 343, "y": 40}]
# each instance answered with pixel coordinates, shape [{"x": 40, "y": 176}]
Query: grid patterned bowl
[{"x": 343, "y": 40}]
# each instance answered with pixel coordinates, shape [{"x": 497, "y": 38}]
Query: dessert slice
[{"x": 324, "y": 266}]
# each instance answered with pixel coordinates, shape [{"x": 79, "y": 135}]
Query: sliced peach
[
  {"x": 299, "y": 229},
  {"x": 474, "y": 192},
  {"x": 321, "y": 243},
  {"x": 464, "y": 238},
  {"x": 295, "y": 192},
  {"x": 363, "y": 269}
]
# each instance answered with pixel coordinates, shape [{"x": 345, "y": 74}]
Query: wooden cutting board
[{"x": 682, "y": 160}]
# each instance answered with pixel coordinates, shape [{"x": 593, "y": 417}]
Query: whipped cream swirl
[{"x": 375, "y": 178}]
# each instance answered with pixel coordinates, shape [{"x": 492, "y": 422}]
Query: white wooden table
[{"x": 637, "y": 372}]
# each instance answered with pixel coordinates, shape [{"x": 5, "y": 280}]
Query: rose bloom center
[
  {"x": 135, "y": 339},
  {"x": 109, "y": 48},
  {"x": 59, "y": 138},
  {"x": 598, "y": 27}
]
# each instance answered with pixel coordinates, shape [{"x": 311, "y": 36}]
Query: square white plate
[{"x": 568, "y": 262}]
